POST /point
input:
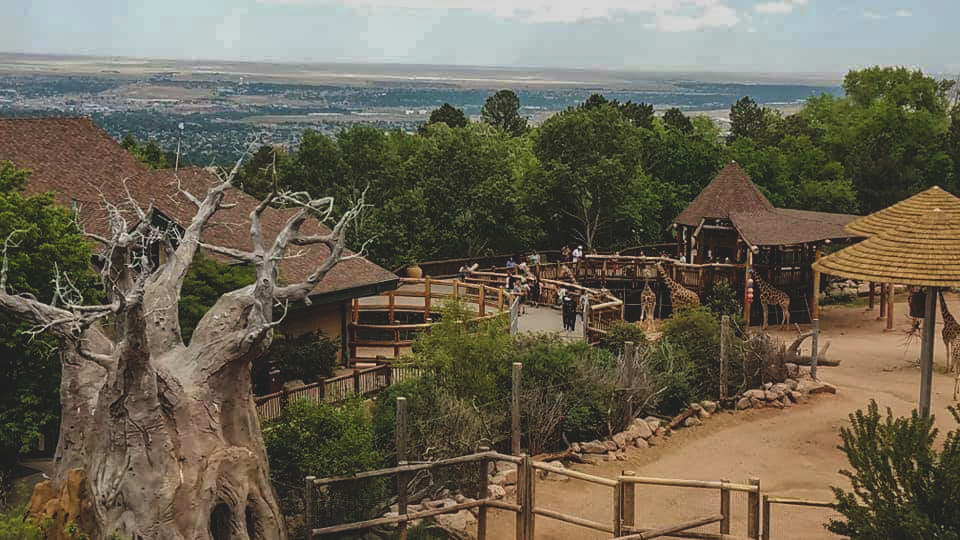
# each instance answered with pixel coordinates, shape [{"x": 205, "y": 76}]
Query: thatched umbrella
[
  {"x": 923, "y": 251},
  {"x": 905, "y": 212}
]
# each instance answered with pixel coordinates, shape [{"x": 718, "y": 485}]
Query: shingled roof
[
  {"x": 730, "y": 191},
  {"x": 82, "y": 163},
  {"x": 784, "y": 227}
]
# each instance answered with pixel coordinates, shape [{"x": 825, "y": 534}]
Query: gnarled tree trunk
[{"x": 167, "y": 433}]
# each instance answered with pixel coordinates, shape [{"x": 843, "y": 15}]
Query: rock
[
  {"x": 786, "y": 401},
  {"x": 756, "y": 403},
  {"x": 797, "y": 397},
  {"x": 743, "y": 403},
  {"x": 459, "y": 498},
  {"x": 575, "y": 447},
  {"x": 621, "y": 439},
  {"x": 641, "y": 429},
  {"x": 793, "y": 370},
  {"x": 495, "y": 492},
  {"x": 447, "y": 503},
  {"x": 661, "y": 431},
  {"x": 692, "y": 421},
  {"x": 593, "y": 447},
  {"x": 641, "y": 443},
  {"x": 696, "y": 407},
  {"x": 413, "y": 508},
  {"x": 611, "y": 446},
  {"x": 505, "y": 478},
  {"x": 652, "y": 422},
  {"x": 70, "y": 502},
  {"x": 779, "y": 387},
  {"x": 556, "y": 477},
  {"x": 620, "y": 456},
  {"x": 461, "y": 525},
  {"x": 391, "y": 514},
  {"x": 703, "y": 414},
  {"x": 709, "y": 406},
  {"x": 791, "y": 384},
  {"x": 431, "y": 505},
  {"x": 822, "y": 388},
  {"x": 755, "y": 394},
  {"x": 767, "y": 386},
  {"x": 776, "y": 404}
]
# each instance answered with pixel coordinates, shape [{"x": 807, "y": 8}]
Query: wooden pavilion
[{"x": 732, "y": 222}]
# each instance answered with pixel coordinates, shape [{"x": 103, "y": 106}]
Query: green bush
[
  {"x": 621, "y": 332},
  {"x": 902, "y": 487},
  {"x": 324, "y": 440},
  {"x": 308, "y": 357},
  {"x": 16, "y": 525},
  {"x": 675, "y": 375},
  {"x": 697, "y": 332},
  {"x": 722, "y": 300}
]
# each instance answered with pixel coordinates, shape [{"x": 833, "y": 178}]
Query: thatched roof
[
  {"x": 784, "y": 227},
  {"x": 905, "y": 212},
  {"x": 924, "y": 252},
  {"x": 730, "y": 191}
]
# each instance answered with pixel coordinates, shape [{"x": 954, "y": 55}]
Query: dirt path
[{"x": 793, "y": 451}]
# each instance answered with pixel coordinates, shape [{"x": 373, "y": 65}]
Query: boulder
[
  {"x": 797, "y": 397},
  {"x": 709, "y": 406},
  {"x": 822, "y": 388},
  {"x": 767, "y": 386},
  {"x": 462, "y": 525},
  {"x": 775, "y": 404},
  {"x": 692, "y": 421},
  {"x": 505, "y": 478},
  {"x": 575, "y": 448},
  {"x": 756, "y": 403},
  {"x": 696, "y": 407},
  {"x": 641, "y": 429},
  {"x": 496, "y": 492},
  {"x": 793, "y": 370},
  {"x": 791, "y": 384},
  {"x": 620, "y": 456},
  {"x": 611, "y": 446},
  {"x": 703, "y": 414},
  {"x": 779, "y": 387},
  {"x": 593, "y": 447},
  {"x": 556, "y": 477},
  {"x": 459, "y": 498},
  {"x": 652, "y": 422},
  {"x": 786, "y": 401},
  {"x": 755, "y": 394},
  {"x": 622, "y": 439},
  {"x": 661, "y": 431},
  {"x": 641, "y": 443},
  {"x": 432, "y": 505},
  {"x": 448, "y": 502},
  {"x": 743, "y": 403},
  {"x": 773, "y": 394}
]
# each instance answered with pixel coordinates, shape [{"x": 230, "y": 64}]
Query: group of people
[
  {"x": 571, "y": 255},
  {"x": 571, "y": 306}
]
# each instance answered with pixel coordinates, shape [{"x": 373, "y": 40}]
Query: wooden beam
[
  {"x": 815, "y": 290},
  {"x": 890, "y": 297}
]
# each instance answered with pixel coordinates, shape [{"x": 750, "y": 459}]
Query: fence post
[
  {"x": 308, "y": 498},
  {"x": 724, "y": 507},
  {"x": 484, "y": 493},
  {"x": 528, "y": 498},
  {"x": 482, "y": 300},
  {"x": 815, "y": 346},
  {"x": 766, "y": 517},
  {"x": 401, "y": 442},
  {"x": 628, "y": 505},
  {"x": 426, "y": 300},
  {"x": 617, "y": 509},
  {"x": 356, "y": 381},
  {"x": 515, "y": 410},
  {"x": 753, "y": 510},
  {"x": 724, "y": 337},
  {"x": 392, "y": 305}
]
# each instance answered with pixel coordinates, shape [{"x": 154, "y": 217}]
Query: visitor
[
  {"x": 584, "y": 306},
  {"x": 510, "y": 263},
  {"x": 535, "y": 292},
  {"x": 577, "y": 254},
  {"x": 462, "y": 273},
  {"x": 534, "y": 259},
  {"x": 570, "y": 310},
  {"x": 565, "y": 253},
  {"x": 522, "y": 289},
  {"x": 683, "y": 259},
  {"x": 561, "y": 294}
]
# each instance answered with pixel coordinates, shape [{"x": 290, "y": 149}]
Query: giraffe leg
[
  {"x": 786, "y": 314},
  {"x": 764, "y": 307}
]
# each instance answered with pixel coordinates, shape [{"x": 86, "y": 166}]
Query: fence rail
[{"x": 769, "y": 503}]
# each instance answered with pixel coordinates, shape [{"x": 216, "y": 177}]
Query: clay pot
[{"x": 414, "y": 271}]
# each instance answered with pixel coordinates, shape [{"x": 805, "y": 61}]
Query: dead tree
[{"x": 167, "y": 433}]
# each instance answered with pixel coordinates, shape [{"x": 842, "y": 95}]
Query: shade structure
[
  {"x": 923, "y": 251},
  {"x": 906, "y": 212}
]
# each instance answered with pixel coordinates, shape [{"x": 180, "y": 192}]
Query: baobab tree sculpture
[{"x": 167, "y": 433}]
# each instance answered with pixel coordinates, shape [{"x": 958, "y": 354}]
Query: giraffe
[
  {"x": 648, "y": 301},
  {"x": 680, "y": 296},
  {"x": 950, "y": 334},
  {"x": 955, "y": 361},
  {"x": 770, "y": 295}
]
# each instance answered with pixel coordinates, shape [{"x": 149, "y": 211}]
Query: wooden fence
[
  {"x": 420, "y": 297},
  {"x": 769, "y": 503},
  {"x": 337, "y": 389}
]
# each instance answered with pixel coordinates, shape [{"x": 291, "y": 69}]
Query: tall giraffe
[
  {"x": 770, "y": 295},
  {"x": 680, "y": 296},
  {"x": 950, "y": 333},
  {"x": 648, "y": 302}
]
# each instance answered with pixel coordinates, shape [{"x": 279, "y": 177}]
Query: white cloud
[
  {"x": 903, "y": 13},
  {"x": 779, "y": 6},
  {"x": 669, "y": 15},
  {"x": 230, "y": 30}
]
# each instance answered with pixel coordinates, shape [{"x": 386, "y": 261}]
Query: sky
[{"x": 756, "y": 36}]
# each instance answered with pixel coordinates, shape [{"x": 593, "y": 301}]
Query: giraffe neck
[{"x": 945, "y": 313}]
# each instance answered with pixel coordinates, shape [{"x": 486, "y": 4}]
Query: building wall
[{"x": 324, "y": 317}]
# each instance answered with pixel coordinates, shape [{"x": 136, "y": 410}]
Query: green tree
[
  {"x": 675, "y": 119},
  {"x": 747, "y": 119},
  {"x": 48, "y": 244},
  {"x": 150, "y": 154},
  {"x": 502, "y": 110},
  {"x": 449, "y": 115},
  {"x": 207, "y": 280},
  {"x": 639, "y": 114},
  {"x": 902, "y": 486}
]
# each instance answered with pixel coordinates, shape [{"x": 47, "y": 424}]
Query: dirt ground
[{"x": 793, "y": 451}]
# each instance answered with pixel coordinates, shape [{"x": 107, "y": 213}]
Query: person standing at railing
[
  {"x": 577, "y": 254},
  {"x": 565, "y": 253},
  {"x": 535, "y": 292},
  {"x": 584, "y": 306}
]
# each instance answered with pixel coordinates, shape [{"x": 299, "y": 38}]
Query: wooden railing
[
  {"x": 770, "y": 502},
  {"x": 337, "y": 389},
  {"x": 421, "y": 298}
]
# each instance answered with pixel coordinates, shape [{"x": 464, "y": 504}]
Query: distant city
[{"x": 224, "y": 107}]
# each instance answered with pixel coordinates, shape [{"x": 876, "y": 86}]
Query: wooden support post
[
  {"x": 525, "y": 498},
  {"x": 402, "y": 477},
  {"x": 356, "y": 381},
  {"x": 883, "y": 301},
  {"x": 890, "y": 295},
  {"x": 872, "y": 295},
  {"x": 926, "y": 350},
  {"x": 724, "y": 507},
  {"x": 427, "y": 298},
  {"x": 814, "y": 343},
  {"x": 456, "y": 289},
  {"x": 515, "y": 410},
  {"x": 628, "y": 505},
  {"x": 746, "y": 281},
  {"x": 618, "y": 508},
  {"x": 309, "y": 488},
  {"x": 753, "y": 510},
  {"x": 482, "y": 301},
  {"x": 484, "y": 485},
  {"x": 392, "y": 304},
  {"x": 815, "y": 289},
  {"x": 499, "y": 299},
  {"x": 766, "y": 517},
  {"x": 724, "y": 338}
]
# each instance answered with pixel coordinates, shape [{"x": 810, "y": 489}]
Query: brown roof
[
  {"x": 82, "y": 163},
  {"x": 781, "y": 226},
  {"x": 923, "y": 252},
  {"x": 730, "y": 191},
  {"x": 905, "y": 212}
]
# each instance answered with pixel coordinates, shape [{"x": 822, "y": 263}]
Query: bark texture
[{"x": 166, "y": 435}]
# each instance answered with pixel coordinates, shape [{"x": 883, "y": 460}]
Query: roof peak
[{"x": 731, "y": 190}]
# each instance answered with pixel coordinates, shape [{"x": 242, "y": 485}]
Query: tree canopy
[{"x": 502, "y": 110}]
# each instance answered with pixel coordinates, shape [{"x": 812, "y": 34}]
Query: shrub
[
  {"x": 308, "y": 357},
  {"x": 902, "y": 486},
  {"x": 621, "y": 332},
  {"x": 16, "y": 525},
  {"x": 324, "y": 440},
  {"x": 673, "y": 372},
  {"x": 722, "y": 300},
  {"x": 697, "y": 332}
]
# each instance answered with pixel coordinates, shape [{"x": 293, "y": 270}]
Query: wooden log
[
  {"x": 568, "y": 518},
  {"x": 753, "y": 510},
  {"x": 670, "y": 530},
  {"x": 566, "y": 455},
  {"x": 678, "y": 419},
  {"x": 724, "y": 507}
]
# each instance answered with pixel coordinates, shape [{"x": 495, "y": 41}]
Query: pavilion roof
[
  {"x": 923, "y": 252},
  {"x": 730, "y": 191},
  {"x": 905, "y": 212},
  {"x": 783, "y": 227}
]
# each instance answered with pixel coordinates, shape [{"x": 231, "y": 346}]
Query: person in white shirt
[{"x": 577, "y": 254}]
